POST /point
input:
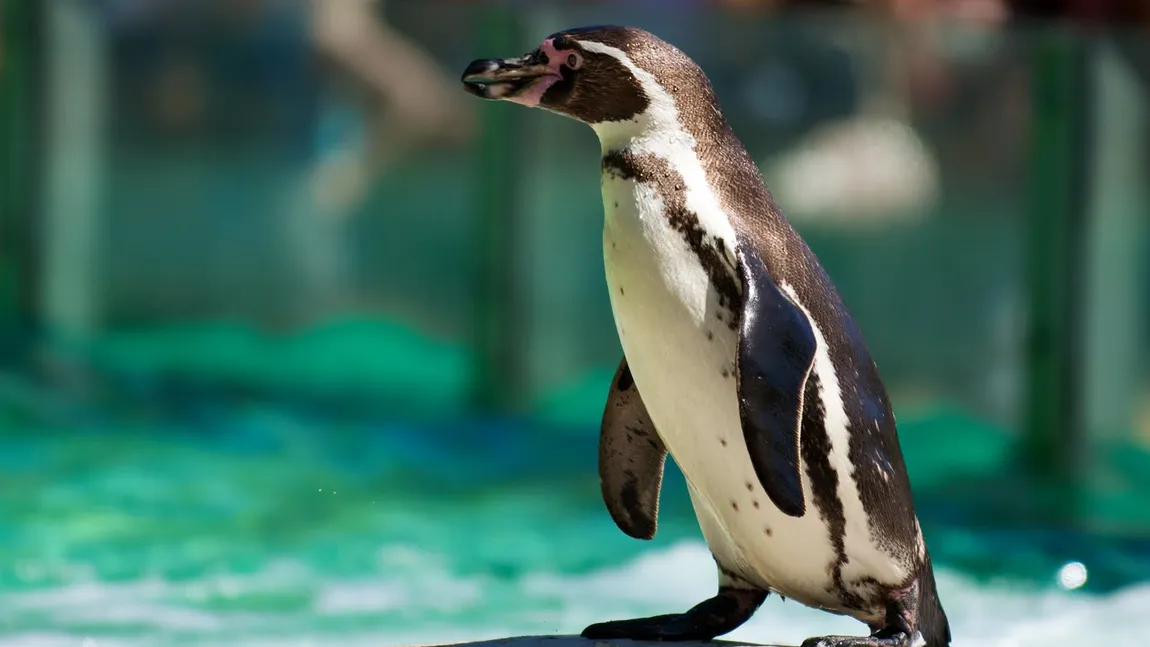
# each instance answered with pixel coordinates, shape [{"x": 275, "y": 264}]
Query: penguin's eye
[{"x": 574, "y": 60}]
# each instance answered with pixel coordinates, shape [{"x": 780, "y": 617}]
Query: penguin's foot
[
  {"x": 714, "y": 617},
  {"x": 881, "y": 639}
]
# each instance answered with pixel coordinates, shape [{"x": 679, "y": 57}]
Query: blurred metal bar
[
  {"x": 499, "y": 320},
  {"x": 76, "y": 86},
  {"x": 1135, "y": 47},
  {"x": 1118, "y": 215},
  {"x": 1060, "y": 141},
  {"x": 20, "y": 54}
]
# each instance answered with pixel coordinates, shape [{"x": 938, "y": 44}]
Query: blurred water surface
[{"x": 254, "y": 525}]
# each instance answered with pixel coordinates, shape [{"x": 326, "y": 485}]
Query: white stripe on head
[
  {"x": 660, "y": 121},
  {"x": 864, "y": 558},
  {"x": 658, "y": 131}
]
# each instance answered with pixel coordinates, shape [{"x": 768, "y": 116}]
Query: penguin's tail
[{"x": 932, "y": 622}]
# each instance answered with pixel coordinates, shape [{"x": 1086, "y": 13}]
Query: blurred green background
[{"x": 300, "y": 343}]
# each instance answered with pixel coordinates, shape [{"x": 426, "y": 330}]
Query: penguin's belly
[{"x": 681, "y": 350}]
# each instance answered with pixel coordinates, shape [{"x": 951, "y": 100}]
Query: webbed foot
[{"x": 706, "y": 620}]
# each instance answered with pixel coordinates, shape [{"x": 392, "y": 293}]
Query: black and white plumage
[{"x": 740, "y": 358}]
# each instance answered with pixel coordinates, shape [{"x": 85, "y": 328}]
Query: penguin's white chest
[{"x": 681, "y": 347}]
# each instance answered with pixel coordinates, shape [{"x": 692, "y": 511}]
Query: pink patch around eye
[
  {"x": 556, "y": 59},
  {"x": 554, "y": 55}
]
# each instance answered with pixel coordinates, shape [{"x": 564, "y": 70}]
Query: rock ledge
[{"x": 576, "y": 641}]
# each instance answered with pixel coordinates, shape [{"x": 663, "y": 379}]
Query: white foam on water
[
  {"x": 416, "y": 599},
  {"x": 982, "y": 615}
]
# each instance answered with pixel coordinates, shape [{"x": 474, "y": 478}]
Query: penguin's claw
[
  {"x": 706, "y": 620},
  {"x": 896, "y": 640}
]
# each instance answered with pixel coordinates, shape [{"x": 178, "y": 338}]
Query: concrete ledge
[{"x": 576, "y": 641}]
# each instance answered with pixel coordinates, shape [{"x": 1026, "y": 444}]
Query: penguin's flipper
[
  {"x": 631, "y": 458},
  {"x": 775, "y": 356}
]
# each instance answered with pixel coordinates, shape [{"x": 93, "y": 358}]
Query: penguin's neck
[
  {"x": 636, "y": 158},
  {"x": 649, "y": 133},
  {"x": 654, "y": 184}
]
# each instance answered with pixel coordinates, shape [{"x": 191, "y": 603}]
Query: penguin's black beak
[{"x": 506, "y": 78}]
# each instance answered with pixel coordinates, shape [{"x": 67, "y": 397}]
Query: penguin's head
[{"x": 592, "y": 74}]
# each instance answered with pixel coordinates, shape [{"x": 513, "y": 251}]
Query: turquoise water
[{"x": 252, "y": 525}]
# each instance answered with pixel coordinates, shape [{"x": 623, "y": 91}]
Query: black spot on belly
[
  {"x": 710, "y": 336},
  {"x": 621, "y": 292},
  {"x": 734, "y": 506},
  {"x": 816, "y": 449},
  {"x": 723, "y": 442}
]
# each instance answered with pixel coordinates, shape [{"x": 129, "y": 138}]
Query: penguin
[{"x": 740, "y": 358}]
